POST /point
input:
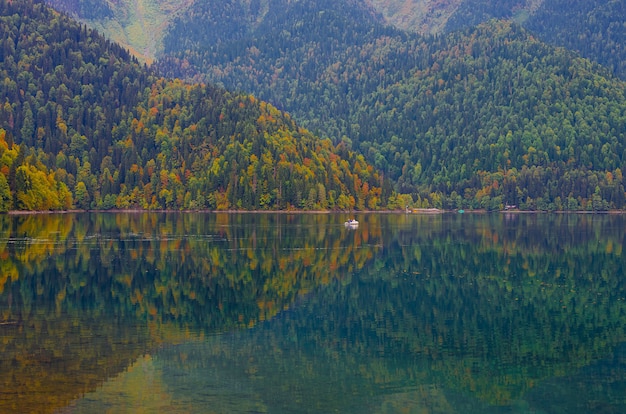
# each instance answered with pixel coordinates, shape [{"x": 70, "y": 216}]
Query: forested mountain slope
[
  {"x": 593, "y": 28},
  {"x": 484, "y": 117},
  {"x": 135, "y": 24},
  {"x": 596, "y": 29},
  {"x": 81, "y": 123}
]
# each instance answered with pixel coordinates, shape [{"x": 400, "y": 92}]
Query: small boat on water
[{"x": 351, "y": 223}]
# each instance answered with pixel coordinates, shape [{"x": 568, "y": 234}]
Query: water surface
[{"x": 282, "y": 313}]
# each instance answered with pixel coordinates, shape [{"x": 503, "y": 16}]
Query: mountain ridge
[
  {"x": 142, "y": 25},
  {"x": 83, "y": 124},
  {"x": 137, "y": 25},
  {"x": 411, "y": 104},
  {"x": 478, "y": 118}
]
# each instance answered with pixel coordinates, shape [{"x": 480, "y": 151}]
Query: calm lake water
[{"x": 282, "y": 313}]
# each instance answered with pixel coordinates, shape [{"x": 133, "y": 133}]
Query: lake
[{"x": 296, "y": 313}]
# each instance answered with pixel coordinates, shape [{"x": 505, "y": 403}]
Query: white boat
[{"x": 351, "y": 223}]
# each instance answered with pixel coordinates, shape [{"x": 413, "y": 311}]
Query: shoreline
[{"x": 417, "y": 211}]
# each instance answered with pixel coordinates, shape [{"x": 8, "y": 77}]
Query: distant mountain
[
  {"x": 593, "y": 28},
  {"x": 421, "y": 16},
  {"x": 86, "y": 9},
  {"x": 138, "y": 25},
  {"x": 82, "y": 124},
  {"x": 470, "y": 13}
]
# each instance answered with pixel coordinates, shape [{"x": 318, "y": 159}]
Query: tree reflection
[
  {"x": 74, "y": 287},
  {"x": 486, "y": 307}
]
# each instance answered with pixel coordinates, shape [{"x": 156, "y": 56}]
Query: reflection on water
[{"x": 295, "y": 313}]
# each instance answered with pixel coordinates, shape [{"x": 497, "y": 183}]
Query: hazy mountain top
[
  {"x": 436, "y": 16},
  {"x": 422, "y": 16},
  {"x": 138, "y": 25},
  {"x": 592, "y": 28}
]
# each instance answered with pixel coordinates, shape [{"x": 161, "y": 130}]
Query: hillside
[
  {"x": 137, "y": 25},
  {"x": 480, "y": 118},
  {"x": 85, "y": 125},
  {"x": 595, "y": 29},
  {"x": 421, "y": 16},
  {"x": 592, "y": 28}
]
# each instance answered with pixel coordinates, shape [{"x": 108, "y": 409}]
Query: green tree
[
  {"x": 28, "y": 125},
  {"x": 6, "y": 199},
  {"x": 82, "y": 196}
]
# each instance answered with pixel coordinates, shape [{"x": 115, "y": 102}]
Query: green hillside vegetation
[
  {"x": 483, "y": 118},
  {"x": 85, "y": 9},
  {"x": 82, "y": 124},
  {"x": 594, "y": 29},
  {"x": 476, "y": 119},
  {"x": 470, "y": 13}
]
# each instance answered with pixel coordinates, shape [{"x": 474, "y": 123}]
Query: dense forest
[
  {"x": 593, "y": 28},
  {"x": 82, "y": 124},
  {"x": 87, "y": 9},
  {"x": 481, "y": 118}
]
